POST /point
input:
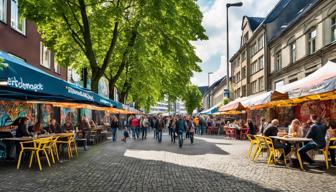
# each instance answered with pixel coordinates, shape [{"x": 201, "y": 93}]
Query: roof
[
  {"x": 254, "y": 22},
  {"x": 215, "y": 84},
  {"x": 203, "y": 89},
  {"x": 285, "y": 14}
]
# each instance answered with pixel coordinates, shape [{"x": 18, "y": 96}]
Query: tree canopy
[
  {"x": 142, "y": 47},
  {"x": 192, "y": 98}
]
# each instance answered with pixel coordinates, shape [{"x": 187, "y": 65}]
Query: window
[
  {"x": 18, "y": 22},
  {"x": 261, "y": 83},
  {"x": 57, "y": 67},
  {"x": 254, "y": 87},
  {"x": 292, "y": 53},
  {"x": 44, "y": 56},
  {"x": 333, "y": 29},
  {"x": 293, "y": 80},
  {"x": 238, "y": 92},
  {"x": 309, "y": 72},
  {"x": 3, "y": 10},
  {"x": 311, "y": 37},
  {"x": 279, "y": 84},
  {"x": 244, "y": 91},
  {"x": 244, "y": 73},
  {"x": 261, "y": 62},
  {"x": 238, "y": 77},
  {"x": 254, "y": 48},
  {"x": 278, "y": 64},
  {"x": 254, "y": 67},
  {"x": 243, "y": 56},
  {"x": 260, "y": 42},
  {"x": 245, "y": 38}
]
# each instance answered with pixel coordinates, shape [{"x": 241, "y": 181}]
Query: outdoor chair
[
  {"x": 273, "y": 153},
  {"x": 34, "y": 147},
  {"x": 261, "y": 145},
  {"x": 325, "y": 150},
  {"x": 243, "y": 133},
  {"x": 69, "y": 141},
  {"x": 253, "y": 142}
]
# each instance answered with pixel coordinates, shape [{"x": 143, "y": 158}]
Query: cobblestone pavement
[{"x": 211, "y": 164}]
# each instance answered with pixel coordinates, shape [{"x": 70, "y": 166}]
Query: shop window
[
  {"x": 18, "y": 22},
  {"x": 292, "y": 53},
  {"x": 3, "y": 10},
  {"x": 333, "y": 29},
  {"x": 45, "y": 56},
  {"x": 311, "y": 38}
]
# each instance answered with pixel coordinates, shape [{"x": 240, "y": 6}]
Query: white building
[{"x": 163, "y": 107}]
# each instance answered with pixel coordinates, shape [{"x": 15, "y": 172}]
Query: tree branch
[{"x": 74, "y": 35}]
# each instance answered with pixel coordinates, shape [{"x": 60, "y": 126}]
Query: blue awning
[
  {"x": 210, "y": 111},
  {"x": 20, "y": 80}
]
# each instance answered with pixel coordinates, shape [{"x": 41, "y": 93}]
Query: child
[{"x": 126, "y": 135}]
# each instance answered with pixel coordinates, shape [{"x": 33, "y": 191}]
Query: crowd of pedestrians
[{"x": 179, "y": 127}]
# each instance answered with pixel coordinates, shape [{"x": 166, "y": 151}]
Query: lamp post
[
  {"x": 239, "y": 4},
  {"x": 209, "y": 73}
]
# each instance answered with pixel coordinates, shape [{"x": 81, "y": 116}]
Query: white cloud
[{"x": 214, "y": 21}]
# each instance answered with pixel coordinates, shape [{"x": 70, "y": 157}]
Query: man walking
[{"x": 180, "y": 128}]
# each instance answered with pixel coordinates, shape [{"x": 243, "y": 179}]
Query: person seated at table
[
  {"x": 272, "y": 130},
  {"x": 331, "y": 133},
  {"x": 263, "y": 125},
  {"x": 295, "y": 129},
  {"x": 38, "y": 128},
  {"x": 93, "y": 125},
  {"x": 54, "y": 127},
  {"x": 67, "y": 127},
  {"x": 84, "y": 126},
  {"x": 305, "y": 127},
  {"x": 317, "y": 133},
  {"x": 251, "y": 127},
  {"x": 22, "y": 129}
]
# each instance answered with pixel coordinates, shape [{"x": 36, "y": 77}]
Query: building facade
[
  {"x": 164, "y": 107},
  {"x": 304, "y": 45},
  {"x": 215, "y": 94},
  {"x": 247, "y": 64},
  {"x": 20, "y": 38}
]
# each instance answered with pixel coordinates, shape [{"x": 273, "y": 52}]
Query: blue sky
[{"x": 213, "y": 51}]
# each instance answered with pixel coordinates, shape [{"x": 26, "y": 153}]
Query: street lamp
[
  {"x": 239, "y": 4},
  {"x": 209, "y": 73}
]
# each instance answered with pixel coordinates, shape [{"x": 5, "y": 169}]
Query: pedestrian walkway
[{"x": 210, "y": 164}]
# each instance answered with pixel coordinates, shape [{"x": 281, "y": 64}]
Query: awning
[
  {"x": 266, "y": 99},
  {"x": 211, "y": 110},
  {"x": 20, "y": 80},
  {"x": 234, "y": 105},
  {"x": 321, "y": 81}
]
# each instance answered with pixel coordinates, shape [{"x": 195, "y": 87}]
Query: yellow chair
[
  {"x": 253, "y": 142},
  {"x": 52, "y": 149},
  {"x": 326, "y": 150},
  {"x": 69, "y": 140},
  {"x": 272, "y": 152},
  {"x": 34, "y": 147},
  {"x": 261, "y": 145}
]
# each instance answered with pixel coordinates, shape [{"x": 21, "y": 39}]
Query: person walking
[
  {"x": 172, "y": 129},
  {"x": 134, "y": 123},
  {"x": 180, "y": 128},
  {"x": 114, "y": 126},
  {"x": 161, "y": 125},
  {"x": 202, "y": 125},
  {"x": 190, "y": 129},
  {"x": 144, "y": 126}
]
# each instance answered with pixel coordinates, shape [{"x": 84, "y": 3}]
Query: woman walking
[{"x": 114, "y": 127}]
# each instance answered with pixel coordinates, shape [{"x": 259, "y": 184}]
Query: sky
[{"x": 213, "y": 51}]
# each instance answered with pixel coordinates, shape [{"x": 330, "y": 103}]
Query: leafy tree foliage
[
  {"x": 192, "y": 98},
  {"x": 142, "y": 47}
]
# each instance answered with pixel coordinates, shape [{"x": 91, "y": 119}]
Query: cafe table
[{"x": 295, "y": 141}]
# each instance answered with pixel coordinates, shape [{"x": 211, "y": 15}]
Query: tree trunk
[
  {"x": 94, "y": 83},
  {"x": 111, "y": 90}
]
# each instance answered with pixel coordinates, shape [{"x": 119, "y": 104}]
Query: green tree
[{"x": 192, "y": 98}]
